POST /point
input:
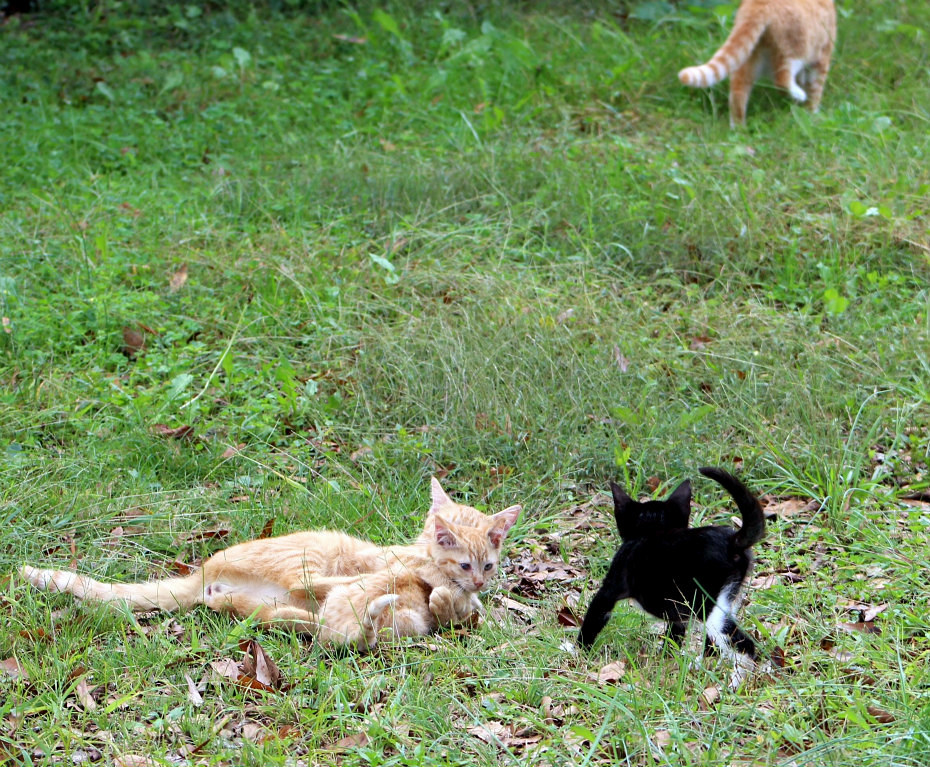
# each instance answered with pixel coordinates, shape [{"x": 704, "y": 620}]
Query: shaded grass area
[{"x": 365, "y": 245}]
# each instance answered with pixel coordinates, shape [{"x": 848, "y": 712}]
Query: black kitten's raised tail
[{"x": 753, "y": 528}]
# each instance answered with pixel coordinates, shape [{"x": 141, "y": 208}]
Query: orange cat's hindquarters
[
  {"x": 741, "y": 83},
  {"x": 169, "y": 594},
  {"x": 748, "y": 27}
]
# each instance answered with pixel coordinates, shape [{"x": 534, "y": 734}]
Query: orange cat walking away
[
  {"x": 341, "y": 589},
  {"x": 789, "y": 40}
]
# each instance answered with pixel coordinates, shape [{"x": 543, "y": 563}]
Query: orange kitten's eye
[
  {"x": 488, "y": 565},
  {"x": 466, "y": 566}
]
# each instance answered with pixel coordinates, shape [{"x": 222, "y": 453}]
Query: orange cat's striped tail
[{"x": 732, "y": 54}]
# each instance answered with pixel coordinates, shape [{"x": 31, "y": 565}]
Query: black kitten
[{"x": 677, "y": 573}]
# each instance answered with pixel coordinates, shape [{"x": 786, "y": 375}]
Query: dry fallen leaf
[
  {"x": 881, "y": 716},
  {"x": 622, "y": 362},
  {"x": 519, "y": 607},
  {"x": 356, "y": 455},
  {"x": 134, "y": 760},
  {"x": 861, "y": 627},
  {"x": 777, "y": 657},
  {"x": 351, "y": 742},
  {"x": 232, "y": 450},
  {"x": 178, "y": 279},
  {"x": 611, "y": 673},
  {"x": 351, "y": 39},
  {"x": 699, "y": 342},
  {"x": 193, "y": 694},
  {"x": 761, "y": 582},
  {"x": 83, "y": 692},
  {"x": 258, "y": 670},
  {"x": 790, "y": 507},
  {"x": 254, "y": 732},
  {"x": 207, "y": 535},
  {"x": 226, "y": 668},
  {"x": 709, "y": 697},
  {"x": 555, "y": 713},
  {"x": 178, "y": 432},
  {"x": 490, "y": 732},
  {"x": 662, "y": 738},
  {"x": 133, "y": 341},
  {"x": 267, "y": 529},
  {"x": 867, "y": 612},
  {"x": 181, "y": 568},
  {"x": 11, "y": 669},
  {"x": 568, "y": 617}
]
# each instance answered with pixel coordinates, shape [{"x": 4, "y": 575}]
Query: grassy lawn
[{"x": 276, "y": 264}]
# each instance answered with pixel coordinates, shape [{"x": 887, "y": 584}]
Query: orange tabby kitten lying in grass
[
  {"x": 341, "y": 589},
  {"x": 790, "y": 40}
]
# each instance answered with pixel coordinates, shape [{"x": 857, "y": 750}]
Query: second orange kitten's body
[
  {"x": 340, "y": 588},
  {"x": 792, "y": 40}
]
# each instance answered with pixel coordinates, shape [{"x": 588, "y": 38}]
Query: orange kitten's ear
[
  {"x": 501, "y": 523},
  {"x": 444, "y": 535},
  {"x": 438, "y": 495}
]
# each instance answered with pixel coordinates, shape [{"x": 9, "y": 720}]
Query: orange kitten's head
[{"x": 464, "y": 543}]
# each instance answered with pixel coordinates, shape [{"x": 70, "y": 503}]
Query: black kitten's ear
[
  {"x": 681, "y": 498},
  {"x": 621, "y": 501}
]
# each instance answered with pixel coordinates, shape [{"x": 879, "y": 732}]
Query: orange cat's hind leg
[
  {"x": 222, "y": 598},
  {"x": 786, "y": 76},
  {"x": 819, "y": 72},
  {"x": 741, "y": 81}
]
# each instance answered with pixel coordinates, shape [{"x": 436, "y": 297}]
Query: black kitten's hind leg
[
  {"x": 598, "y": 613},
  {"x": 731, "y": 639},
  {"x": 741, "y": 641},
  {"x": 735, "y": 644}
]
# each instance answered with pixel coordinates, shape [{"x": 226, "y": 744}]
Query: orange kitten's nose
[{"x": 479, "y": 582}]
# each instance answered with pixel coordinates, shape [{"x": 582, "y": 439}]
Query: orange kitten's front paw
[
  {"x": 471, "y": 612},
  {"x": 449, "y": 610},
  {"x": 442, "y": 606}
]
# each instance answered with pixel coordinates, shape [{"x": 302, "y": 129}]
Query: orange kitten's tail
[
  {"x": 732, "y": 54},
  {"x": 169, "y": 594}
]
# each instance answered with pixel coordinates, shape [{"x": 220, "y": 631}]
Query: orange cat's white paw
[
  {"x": 379, "y": 605},
  {"x": 373, "y": 624},
  {"x": 217, "y": 595}
]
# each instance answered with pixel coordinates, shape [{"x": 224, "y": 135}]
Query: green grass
[{"x": 494, "y": 240}]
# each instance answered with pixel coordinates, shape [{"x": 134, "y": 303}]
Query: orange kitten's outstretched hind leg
[
  {"x": 349, "y": 618},
  {"x": 169, "y": 594}
]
